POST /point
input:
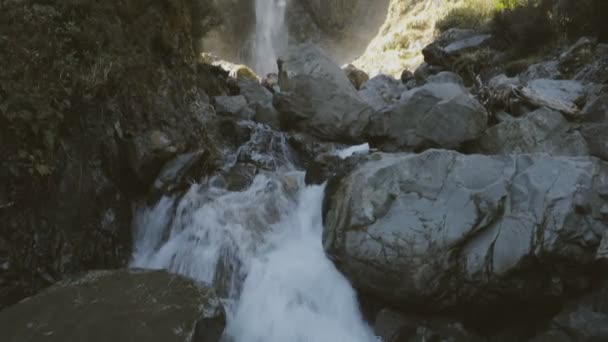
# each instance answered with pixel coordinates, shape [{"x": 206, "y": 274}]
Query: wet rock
[
  {"x": 118, "y": 306},
  {"x": 147, "y": 152},
  {"x": 543, "y": 130},
  {"x": 381, "y": 91},
  {"x": 439, "y": 113},
  {"x": 395, "y": 327},
  {"x": 448, "y": 231},
  {"x": 180, "y": 171},
  {"x": 316, "y": 97},
  {"x": 240, "y": 176},
  {"x": 230, "y": 105},
  {"x": 356, "y": 76},
  {"x": 271, "y": 82},
  {"x": 243, "y": 72}
]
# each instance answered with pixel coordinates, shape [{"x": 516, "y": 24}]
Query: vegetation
[{"x": 526, "y": 25}]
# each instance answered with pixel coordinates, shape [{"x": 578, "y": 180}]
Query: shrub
[{"x": 525, "y": 27}]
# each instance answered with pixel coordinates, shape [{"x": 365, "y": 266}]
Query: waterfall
[
  {"x": 270, "y": 35},
  {"x": 261, "y": 249}
]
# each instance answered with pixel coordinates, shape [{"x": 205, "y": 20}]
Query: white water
[
  {"x": 261, "y": 249},
  {"x": 270, "y": 35}
]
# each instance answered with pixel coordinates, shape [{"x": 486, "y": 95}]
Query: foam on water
[{"x": 262, "y": 250}]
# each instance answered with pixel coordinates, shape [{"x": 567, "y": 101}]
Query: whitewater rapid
[{"x": 261, "y": 249}]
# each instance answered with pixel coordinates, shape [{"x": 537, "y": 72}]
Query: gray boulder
[
  {"x": 125, "y": 305},
  {"x": 546, "y": 70},
  {"x": 318, "y": 98},
  {"x": 382, "y": 91},
  {"x": 596, "y": 136},
  {"x": 561, "y": 95},
  {"x": 147, "y": 152},
  {"x": 440, "y": 113},
  {"x": 356, "y": 76},
  {"x": 230, "y": 105},
  {"x": 444, "y": 230},
  {"x": 543, "y": 130}
]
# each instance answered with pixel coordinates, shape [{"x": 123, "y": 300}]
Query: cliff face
[{"x": 79, "y": 80}]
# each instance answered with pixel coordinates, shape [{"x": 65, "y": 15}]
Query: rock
[
  {"x": 309, "y": 60},
  {"x": 356, "y": 76},
  {"x": 265, "y": 113},
  {"x": 318, "y": 98},
  {"x": 559, "y": 95},
  {"x": 179, "y": 172},
  {"x": 254, "y": 92},
  {"x": 596, "y": 135},
  {"x": 453, "y": 43},
  {"x": 577, "y": 55},
  {"x": 117, "y": 306},
  {"x": 596, "y": 110},
  {"x": 230, "y": 105},
  {"x": 381, "y": 91},
  {"x": 394, "y": 327},
  {"x": 424, "y": 71},
  {"x": 147, "y": 153},
  {"x": 597, "y": 70},
  {"x": 577, "y": 324},
  {"x": 240, "y": 176},
  {"x": 406, "y": 76},
  {"x": 543, "y": 130},
  {"x": 446, "y": 231},
  {"x": 242, "y": 72},
  {"x": 544, "y": 70},
  {"x": 439, "y": 113},
  {"x": 307, "y": 148},
  {"x": 271, "y": 82}
]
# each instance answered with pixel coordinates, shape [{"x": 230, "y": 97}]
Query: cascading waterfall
[
  {"x": 270, "y": 35},
  {"x": 261, "y": 248}
]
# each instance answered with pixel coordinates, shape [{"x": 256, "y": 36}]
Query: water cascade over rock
[
  {"x": 260, "y": 248},
  {"x": 270, "y": 35}
]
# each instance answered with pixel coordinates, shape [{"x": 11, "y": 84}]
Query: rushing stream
[{"x": 261, "y": 248}]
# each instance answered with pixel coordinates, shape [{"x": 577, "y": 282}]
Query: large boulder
[
  {"x": 443, "y": 230},
  {"x": 147, "y": 152},
  {"x": 543, "y": 130},
  {"x": 561, "y": 95},
  {"x": 596, "y": 135},
  {"x": 318, "y": 98},
  {"x": 382, "y": 91},
  {"x": 126, "y": 305},
  {"x": 440, "y": 113}
]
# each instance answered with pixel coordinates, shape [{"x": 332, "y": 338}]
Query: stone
[
  {"x": 381, "y": 91},
  {"x": 597, "y": 70},
  {"x": 243, "y": 72},
  {"x": 229, "y": 105},
  {"x": 446, "y": 231},
  {"x": 122, "y": 305},
  {"x": 356, "y": 76},
  {"x": 316, "y": 97},
  {"x": 147, "y": 152},
  {"x": 543, "y": 130},
  {"x": 392, "y": 326},
  {"x": 596, "y": 110},
  {"x": 545, "y": 70},
  {"x": 579, "y": 54},
  {"x": 254, "y": 92},
  {"x": 560, "y": 95},
  {"x": 240, "y": 176},
  {"x": 180, "y": 171},
  {"x": 406, "y": 76},
  {"x": 440, "y": 113},
  {"x": 596, "y": 135}
]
